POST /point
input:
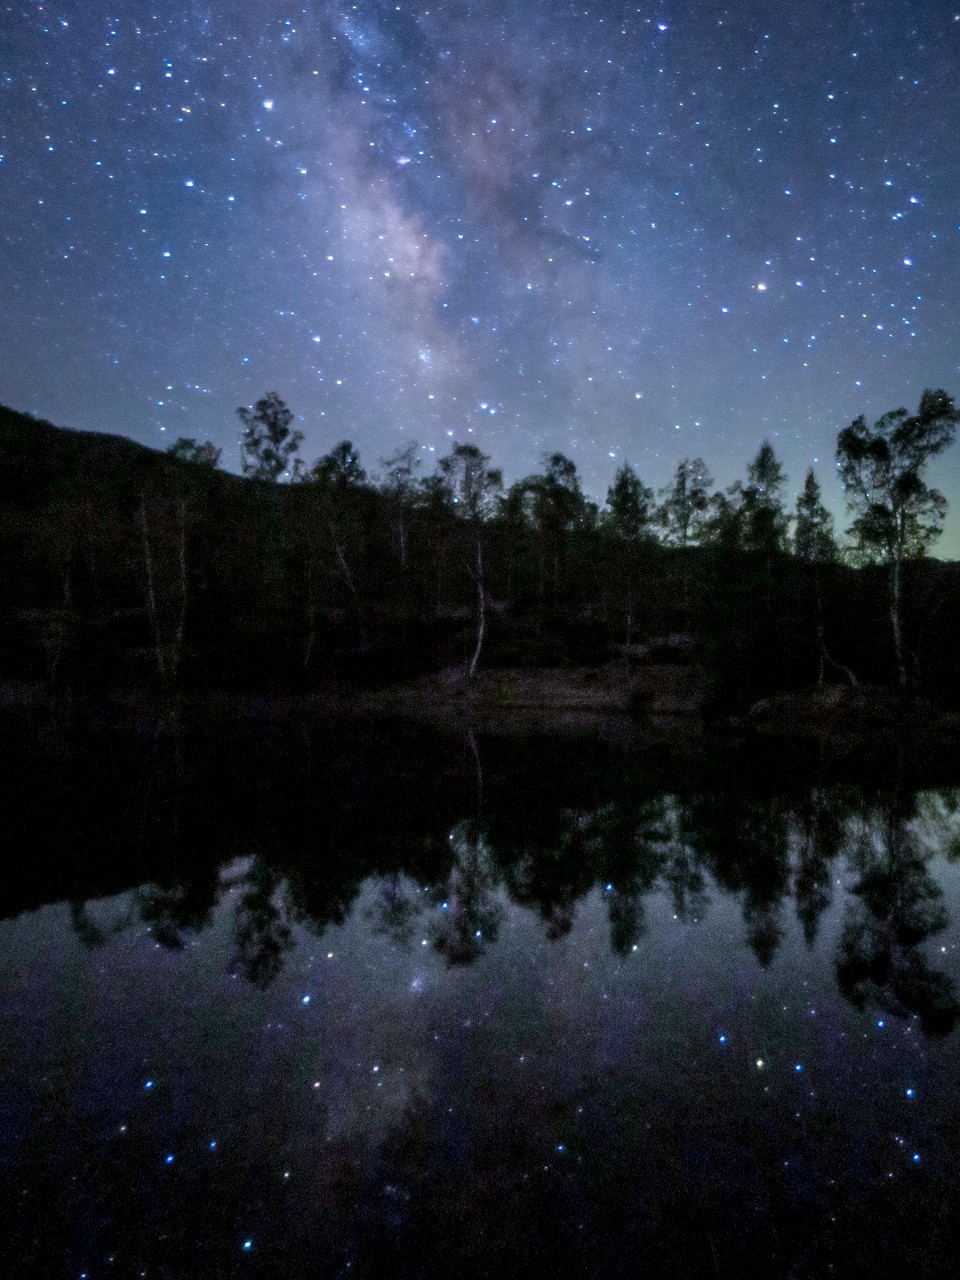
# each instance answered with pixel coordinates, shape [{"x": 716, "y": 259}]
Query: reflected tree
[
  {"x": 468, "y": 915},
  {"x": 546, "y": 861},
  {"x": 817, "y": 834},
  {"x": 172, "y": 910},
  {"x": 397, "y": 910},
  {"x": 682, "y": 873},
  {"x": 899, "y": 906},
  {"x": 936, "y": 823},
  {"x": 261, "y": 933},
  {"x": 743, "y": 841},
  {"x": 629, "y": 848},
  {"x": 85, "y": 927}
]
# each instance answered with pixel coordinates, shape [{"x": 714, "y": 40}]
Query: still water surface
[{"x": 411, "y": 1006}]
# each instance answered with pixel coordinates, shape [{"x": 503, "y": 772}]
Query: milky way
[{"x": 627, "y": 233}]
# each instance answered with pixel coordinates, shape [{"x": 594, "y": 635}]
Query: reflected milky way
[{"x": 396, "y": 1018}]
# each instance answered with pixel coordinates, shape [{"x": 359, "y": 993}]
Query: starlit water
[{"x": 400, "y": 1004}]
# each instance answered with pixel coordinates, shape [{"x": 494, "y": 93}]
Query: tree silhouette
[
  {"x": 897, "y": 515},
  {"x": 186, "y": 449},
  {"x": 629, "y": 506},
  {"x": 269, "y": 445},
  {"x": 763, "y": 519},
  {"x": 900, "y": 905},
  {"x": 340, "y": 468},
  {"x": 813, "y": 540},
  {"x": 686, "y": 502},
  {"x": 627, "y": 519},
  {"x": 814, "y": 546}
]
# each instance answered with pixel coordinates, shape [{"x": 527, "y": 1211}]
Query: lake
[{"x": 293, "y": 999}]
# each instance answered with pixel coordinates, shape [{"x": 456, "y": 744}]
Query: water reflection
[
  {"x": 422, "y": 1007},
  {"x": 897, "y": 906},
  {"x": 451, "y": 886}
]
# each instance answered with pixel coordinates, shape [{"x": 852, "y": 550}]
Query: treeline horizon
[{"x": 162, "y": 566}]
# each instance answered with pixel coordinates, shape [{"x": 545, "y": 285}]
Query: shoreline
[{"x": 665, "y": 700}]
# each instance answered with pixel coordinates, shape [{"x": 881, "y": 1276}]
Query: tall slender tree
[
  {"x": 814, "y": 546},
  {"x": 896, "y": 514},
  {"x": 627, "y": 519},
  {"x": 336, "y": 484},
  {"x": 473, "y": 488},
  {"x": 813, "y": 540},
  {"x": 399, "y": 484},
  {"x": 559, "y": 508},
  {"x": 763, "y": 521}
]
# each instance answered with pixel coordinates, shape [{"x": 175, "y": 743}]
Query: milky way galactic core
[{"x": 628, "y": 233}]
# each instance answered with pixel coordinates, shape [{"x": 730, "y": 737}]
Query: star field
[
  {"x": 625, "y": 232},
  {"x": 540, "y": 1062}
]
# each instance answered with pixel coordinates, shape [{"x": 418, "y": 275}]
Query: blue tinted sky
[{"x": 625, "y": 232}]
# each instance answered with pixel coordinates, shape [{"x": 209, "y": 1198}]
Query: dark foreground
[{"x": 280, "y": 998}]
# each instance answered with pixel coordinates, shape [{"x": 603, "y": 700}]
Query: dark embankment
[{"x": 128, "y": 569}]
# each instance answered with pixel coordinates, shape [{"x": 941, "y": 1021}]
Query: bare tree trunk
[
  {"x": 348, "y": 576},
  {"x": 177, "y": 645},
  {"x": 840, "y": 667},
  {"x": 92, "y": 555},
  {"x": 59, "y": 630},
  {"x": 821, "y": 651},
  {"x": 476, "y": 759},
  {"x": 401, "y": 529},
  {"x": 481, "y": 607},
  {"x": 151, "y": 593},
  {"x": 342, "y": 561},
  {"x": 311, "y": 614},
  {"x": 895, "y": 618}
]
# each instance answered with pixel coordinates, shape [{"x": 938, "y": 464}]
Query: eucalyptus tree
[
  {"x": 186, "y": 449},
  {"x": 269, "y": 446},
  {"x": 165, "y": 518},
  {"x": 399, "y": 486},
  {"x": 339, "y": 469},
  {"x": 686, "y": 503},
  {"x": 472, "y": 489},
  {"x": 751, "y": 634},
  {"x": 683, "y": 517},
  {"x": 335, "y": 488},
  {"x": 897, "y": 516}
]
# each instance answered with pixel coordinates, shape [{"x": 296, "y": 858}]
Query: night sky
[{"x": 626, "y": 233}]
